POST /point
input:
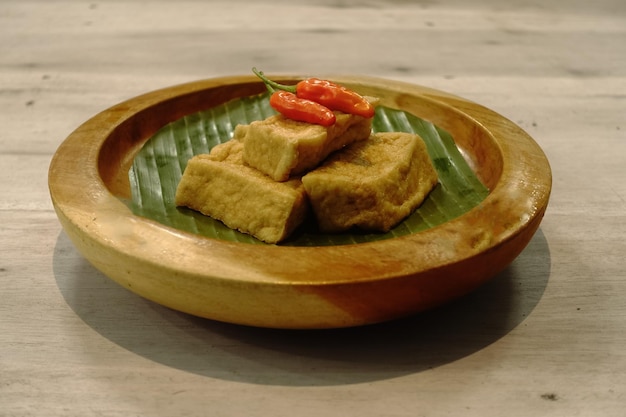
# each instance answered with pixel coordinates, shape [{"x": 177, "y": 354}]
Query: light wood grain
[
  {"x": 546, "y": 337},
  {"x": 298, "y": 287}
]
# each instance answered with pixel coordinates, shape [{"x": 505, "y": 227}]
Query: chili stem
[{"x": 272, "y": 86}]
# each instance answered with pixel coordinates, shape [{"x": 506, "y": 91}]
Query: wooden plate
[{"x": 297, "y": 287}]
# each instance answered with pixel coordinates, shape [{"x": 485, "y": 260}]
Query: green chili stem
[{"x": 272, "y": 86}]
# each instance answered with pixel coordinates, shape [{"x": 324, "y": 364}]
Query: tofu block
[
  {"x": 371, "y": 185},
  {"x": 221, "y": 186},
  {"x": 281, "y": 148}
]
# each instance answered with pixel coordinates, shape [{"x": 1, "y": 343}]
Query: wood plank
[{"x": 545, "y": 337}]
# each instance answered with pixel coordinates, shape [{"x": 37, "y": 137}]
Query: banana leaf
[{"x": 158, "y": 167}]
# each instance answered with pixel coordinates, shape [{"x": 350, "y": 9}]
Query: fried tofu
[
  {"x": 281, "y": 148},
  {"x": 221, "y": 186},
  {"x": 371, "y": 185}
]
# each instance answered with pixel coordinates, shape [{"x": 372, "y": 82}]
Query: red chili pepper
[
  {"x": 302, "y": 110},
  {"x": 329, "y": 94},
  {"x": 334, "y": 96}
]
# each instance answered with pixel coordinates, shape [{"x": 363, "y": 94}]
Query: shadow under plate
[{"x": 304, "y": 357}]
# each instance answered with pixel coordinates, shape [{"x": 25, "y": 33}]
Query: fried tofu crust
[
  {"x": 221, "y": 186},
  {"x": 371, "y": 185},
  {"x": 281, "y": 148}
]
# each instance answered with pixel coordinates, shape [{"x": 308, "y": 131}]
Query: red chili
[
  {"x": 302, "y": 110},
  {"x": 334, "y": 96},
  {"x": 329, "y": 94}
]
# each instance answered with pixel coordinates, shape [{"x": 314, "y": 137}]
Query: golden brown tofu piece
[
  {"x": 221, "y": 186},
  {"x": 281, "y": 148},
  {"x": 372, "y": 185}
]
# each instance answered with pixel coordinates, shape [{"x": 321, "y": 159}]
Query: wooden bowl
[{"x": 297, "y": 287}]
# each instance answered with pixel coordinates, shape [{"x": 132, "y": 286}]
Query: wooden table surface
[{"x": 547, "y": 337}]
